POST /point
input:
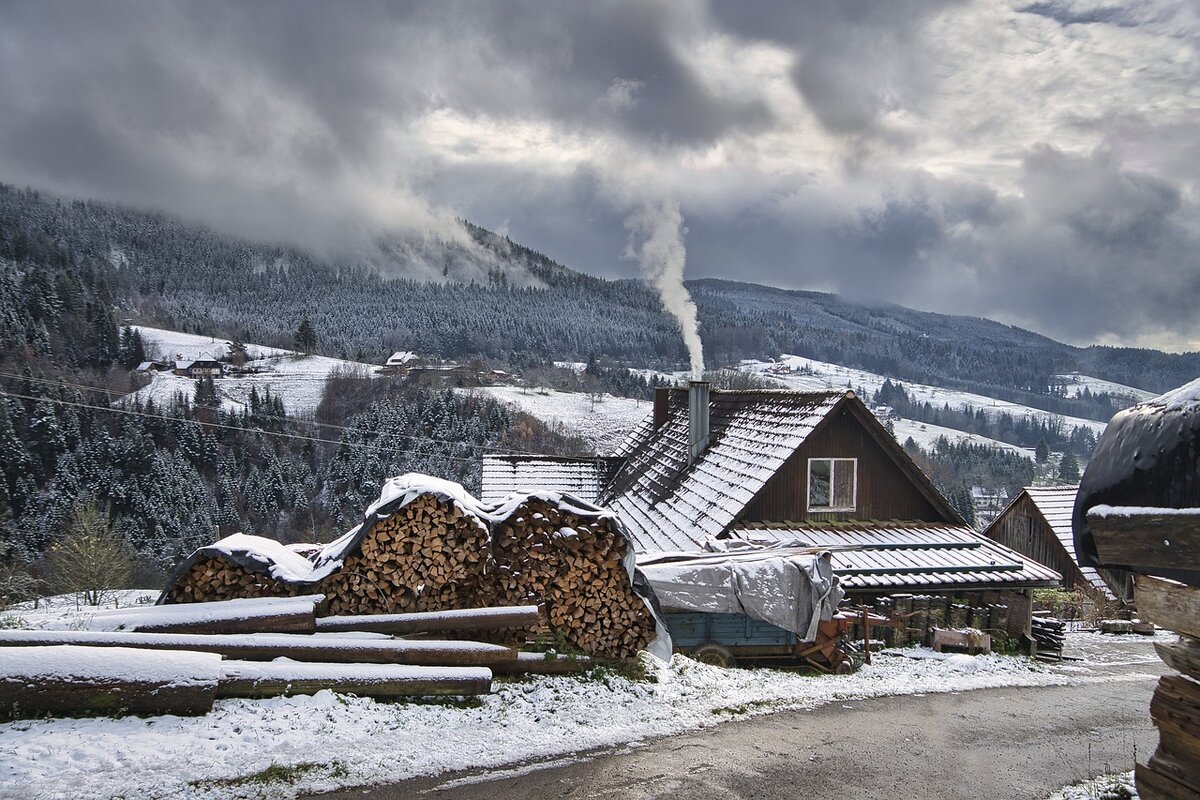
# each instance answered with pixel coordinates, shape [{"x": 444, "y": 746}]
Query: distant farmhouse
[
  {"x": 199, "y": 368},
  {"x": 399, "y": 362},
  {"x": 729, "y": 471},
  {"x": 1037, "y": 524}
]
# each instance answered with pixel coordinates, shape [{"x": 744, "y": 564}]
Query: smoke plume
[{"x": 656, "y": 234}]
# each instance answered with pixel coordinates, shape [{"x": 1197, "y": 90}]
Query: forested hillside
[
  {"x": 520, "y": 308},
  {"x": 166, "y": 479}
]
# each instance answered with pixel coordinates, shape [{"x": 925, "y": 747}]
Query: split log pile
[
  {"x": 571, "y": 564},
  {"x": 433, "y": 551}
]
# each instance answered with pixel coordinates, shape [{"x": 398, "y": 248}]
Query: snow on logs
[
  {"x": 270, "y": 615},
  {"x": 427, "y": 546},
  {"x": 78, "y": 680}
]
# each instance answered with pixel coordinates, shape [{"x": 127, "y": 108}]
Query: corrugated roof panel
[
  {"x": 505, "y": 475},
  {"x": 889, "y": 557}
]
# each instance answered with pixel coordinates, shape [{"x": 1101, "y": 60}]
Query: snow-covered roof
[
  {"x": 1056, "y": 504},
  {"x": 401, "y": 357},
  {"x": 184, "y": 364},
  {"x": 144, "y": 366},
  {"x": 669, "y": 505},
  {"x": 889, "y": 556},
  {"x": 505, "y": 474}
]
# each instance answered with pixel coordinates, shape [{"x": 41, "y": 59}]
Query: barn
[
  {"x": 712, "y": 471},
  {"x": 1037, "y": 524}
]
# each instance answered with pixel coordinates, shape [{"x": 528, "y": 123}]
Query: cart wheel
[
  {"x": 718, "y": 655},
  {"x": 844, "y": 667}
]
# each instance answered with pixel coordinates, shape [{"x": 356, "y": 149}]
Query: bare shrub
[{"x": 92, "y": 558}]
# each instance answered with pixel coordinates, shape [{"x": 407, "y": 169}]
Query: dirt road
[{"x": 999, "y": 744}]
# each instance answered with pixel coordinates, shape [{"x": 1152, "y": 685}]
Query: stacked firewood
[
  {"x": 429, "y": 555},
  {"x": 571, "y": 563},
  {"x": 216, "y": 578},
  {"x": 434, "y": 554}
]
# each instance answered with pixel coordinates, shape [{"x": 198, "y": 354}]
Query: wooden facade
[
  {"x": 1024, "y": 527},
  {"x": 885, "y": 490}
]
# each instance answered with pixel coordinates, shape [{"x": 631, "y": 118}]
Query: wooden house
[
  {"x": 726, "y": 471},
  {"x": 199, "y": 368},
  {"x": 1037, "y": 524}
]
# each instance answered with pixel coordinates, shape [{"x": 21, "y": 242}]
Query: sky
[{"x": 1032, "y": 162}]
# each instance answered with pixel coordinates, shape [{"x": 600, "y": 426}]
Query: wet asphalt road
[{"x": 999, "y": 744}]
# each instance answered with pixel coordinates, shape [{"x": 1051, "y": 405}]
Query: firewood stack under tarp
[
  {"x": 427, "y": 545},
  {"x": 571, "y": 560},
  {"x": 1138, "y": 509}
]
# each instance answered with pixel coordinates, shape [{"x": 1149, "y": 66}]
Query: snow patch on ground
[
  {"x": 349, "y": 741},
  {"x": 1104, "y": 787},
  {"x": 69, "y": 612}
]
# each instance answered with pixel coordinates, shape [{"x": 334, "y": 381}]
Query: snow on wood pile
[{"x": 427, "y": 545}]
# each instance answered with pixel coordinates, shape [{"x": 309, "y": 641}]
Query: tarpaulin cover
[{"x": 795, "y": 592}]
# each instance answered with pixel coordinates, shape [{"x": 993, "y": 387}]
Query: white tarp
[{"x": 793, "y": 591}]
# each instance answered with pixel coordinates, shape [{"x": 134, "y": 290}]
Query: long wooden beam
[
  {"x": 381, "y": 681},
  {"x": 267, "y": 646},
  {"x": 470, "y": 619},
  {"x": 1146, "y": 537},
  {"x": 1168, "y": 604},
  {"x": 263, "y": 615}
]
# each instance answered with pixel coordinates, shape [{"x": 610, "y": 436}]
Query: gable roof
[
  {"x": 1056, "y": 504},
  {"x": 669, "y": 505},
  {"x": 504, "y": 475},
  {"x": 888, "y": 556}
]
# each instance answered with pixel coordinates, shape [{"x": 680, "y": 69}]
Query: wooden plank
[
  {"x": 1168, "y": 604},
  {"x": 1154, "y": 785},
  {"x": 1164, "y": 540},
  {"x": 1182, "y": 656},
  {"x": 268, "y": 646},
  {"x": 381, "y": 681},
  {"x": 538, "y": 664},
  {"x": 469, "y": 619}
]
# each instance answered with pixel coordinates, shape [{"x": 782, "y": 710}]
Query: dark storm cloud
[
  {"x": 1036, "y": 164},
  {"x": 854, "y": 61}
]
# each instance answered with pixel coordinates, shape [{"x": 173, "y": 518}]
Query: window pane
[
  {"x": 819, "y": 483},
  {"x": 843, "y": 483}
]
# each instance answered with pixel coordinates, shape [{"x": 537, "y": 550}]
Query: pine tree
[
  {"x": 306, "y": 337},
  {"x": 1068, "y": 468},
  {"x": 1042, "y": 454}
]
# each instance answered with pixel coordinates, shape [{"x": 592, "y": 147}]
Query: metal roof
[
  {"x": 669, "y": 505},
  {"x": 898, "y": 556},
  {"x": 1056, "y": 504},
  {"x": 505, "y": 475}
]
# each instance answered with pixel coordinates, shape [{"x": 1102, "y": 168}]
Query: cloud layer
[{"x": 1032, "y": 162}]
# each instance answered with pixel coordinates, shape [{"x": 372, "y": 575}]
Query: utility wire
[
  {"x": 297, "y": 420},
  {"x": 258, "y": 431}
]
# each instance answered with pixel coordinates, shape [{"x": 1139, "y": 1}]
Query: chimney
[
  {"x": 697, "y": 419},
  {"x": 662, "y": 404}
]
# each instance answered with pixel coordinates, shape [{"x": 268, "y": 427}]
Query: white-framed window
[{"x": 832, "y": 484}]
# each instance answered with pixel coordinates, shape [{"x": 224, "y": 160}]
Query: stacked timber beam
[
  {"x": 1164, "y": 539},
  {"x": 428, "y": 546},
  {"x": 174, "y": 659}
]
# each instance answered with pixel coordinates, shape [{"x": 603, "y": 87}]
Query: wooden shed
[{"x": 1037, "y": 524}]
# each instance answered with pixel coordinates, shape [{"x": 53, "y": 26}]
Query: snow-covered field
[
  {"x": 328, "y": 741},
  {"x": 604, "y": 424},
  {"x": 925, "y": 434},
  {"x": 1074, "y": 384},
  {"x": 298, "y": 380},
  {"x": 810, "y": 375}
]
